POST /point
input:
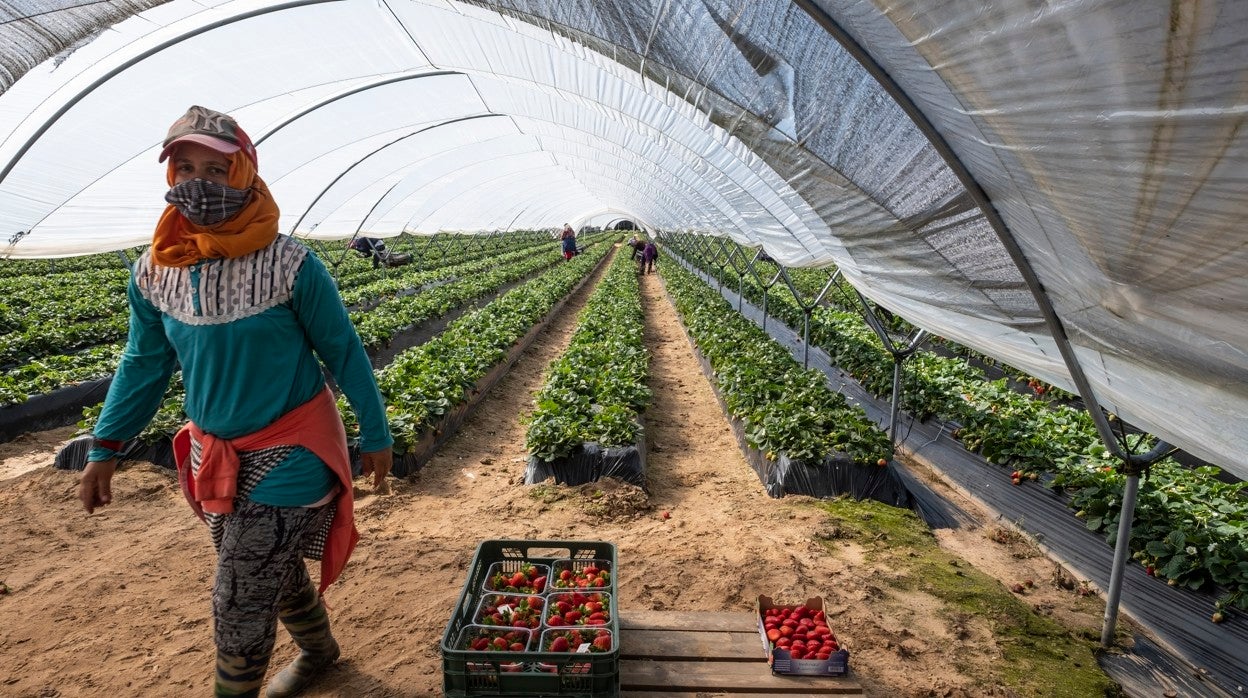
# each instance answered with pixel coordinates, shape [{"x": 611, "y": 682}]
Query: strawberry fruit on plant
[
  {"x": 801, "y": 631},
  {"x": 528, "y": 579},
  {"x": 578, "y": 608}
]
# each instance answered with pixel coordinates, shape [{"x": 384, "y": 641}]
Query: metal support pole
[
  {"x": 125, "y": 259},
  {"x": 1132, "y": 465},
  {"x": 806, "y": 337},
  {"x": 807, "y": 309},
  {"x": 895, "y": 403},
  {"x": 1121, "y": 550}
]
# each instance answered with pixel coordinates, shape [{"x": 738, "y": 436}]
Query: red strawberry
[
  {"x": 603, "y": 643},
  {"x": 560, "y": 644}
]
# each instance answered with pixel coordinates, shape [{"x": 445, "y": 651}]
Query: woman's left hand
[{"x": 377, "y": 464}]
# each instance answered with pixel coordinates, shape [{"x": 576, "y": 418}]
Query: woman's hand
[
  {"x": 96, "y": 487},
  {"x": 378, "y": 463}
]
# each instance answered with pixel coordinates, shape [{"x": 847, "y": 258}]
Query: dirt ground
[{"x": 118, "y": 603}]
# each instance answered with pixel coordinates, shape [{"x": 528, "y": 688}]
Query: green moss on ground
[{"x": 1040, "y": 656}]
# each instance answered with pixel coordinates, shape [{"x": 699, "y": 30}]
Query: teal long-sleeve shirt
[{"x": 247, "y": 333}]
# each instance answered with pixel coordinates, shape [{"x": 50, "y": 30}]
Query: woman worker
[{"x": 263, "y": 460}]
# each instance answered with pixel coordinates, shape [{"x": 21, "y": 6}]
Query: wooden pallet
[{"x": 683, "y": 655}]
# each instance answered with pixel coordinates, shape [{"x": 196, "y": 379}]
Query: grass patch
[{"x": 1040, "y": 656}]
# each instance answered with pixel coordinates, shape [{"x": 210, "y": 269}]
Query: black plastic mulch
[{"x": 1212, "y": 659}]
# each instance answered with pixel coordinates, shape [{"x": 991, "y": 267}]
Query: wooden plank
[
  {"x": 710, "y": 621},
  {"x": 666, "y": 678},
  {"x": 680, "y": 645}
]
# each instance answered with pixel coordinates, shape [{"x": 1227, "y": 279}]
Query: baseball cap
[{"x": 211, "y": 129}]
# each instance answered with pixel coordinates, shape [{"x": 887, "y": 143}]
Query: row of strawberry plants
[
  {"x": 28, "y": 302},
  {"x": 51, "y": 339},
  {"x": 1190, "y": 528},
  {"x": 14, "y": 268},
  {"x": 378, "y": 325},
  {"x": 46, "y": 374},
  {"x": 47, "y": 350},
  {"x": 427, "y": 382},
  {"x": 359, "y": 283},
  {"x": 783, "y": 407},
  {"x": 595, "y": 391}
]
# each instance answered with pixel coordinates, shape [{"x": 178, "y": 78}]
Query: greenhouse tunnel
[{"x": 1056, "y": 186}]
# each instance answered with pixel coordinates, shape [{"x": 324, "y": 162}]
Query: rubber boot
[
  {"x": 239, "y": 676},
  {"x": 307, "y": 621}
]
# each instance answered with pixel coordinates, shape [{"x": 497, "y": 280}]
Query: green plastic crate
[{"x": 470, "y": 673}]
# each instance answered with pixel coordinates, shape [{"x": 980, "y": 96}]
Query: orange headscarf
[{"x": 178, "y": 242}]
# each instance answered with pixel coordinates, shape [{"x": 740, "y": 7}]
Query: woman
[
  {"x": 568, "y": 236},
  {"x": 263, "y": 460}
]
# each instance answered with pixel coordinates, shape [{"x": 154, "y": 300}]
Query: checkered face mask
[{"x": 207, "y": 203}]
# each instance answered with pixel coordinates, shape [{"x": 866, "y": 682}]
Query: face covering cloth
[{"x": 207, "y": 203}]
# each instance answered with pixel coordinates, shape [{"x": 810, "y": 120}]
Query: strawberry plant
[
  {"x": 595, "y": 391},
  {"x": 783, "y": 408}
]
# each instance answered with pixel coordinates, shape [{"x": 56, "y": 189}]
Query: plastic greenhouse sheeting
[{"x": 967, "y": 165}]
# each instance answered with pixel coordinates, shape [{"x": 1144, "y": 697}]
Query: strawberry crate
[{"x": 535, "y": 672}]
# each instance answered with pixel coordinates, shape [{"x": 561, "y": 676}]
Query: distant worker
[
  {"x": 636, "y": 245},
  {"x": 649, "y": 254},
  {"x": 568, "y": 238},
  {"x": 376, "y": 249}
]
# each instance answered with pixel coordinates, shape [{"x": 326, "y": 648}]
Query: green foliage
[
  {"x": 1035, "y": 432},
  {"x": 595, "y": 391}
]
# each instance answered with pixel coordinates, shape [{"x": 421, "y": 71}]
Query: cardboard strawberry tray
[
  {"x": 798, "y": 641},
  {"x": 586, "y": 671}
]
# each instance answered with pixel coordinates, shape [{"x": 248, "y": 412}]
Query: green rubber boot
[
  {"x": 307, "y": 621},
  {"x": 239, "y": 677}
]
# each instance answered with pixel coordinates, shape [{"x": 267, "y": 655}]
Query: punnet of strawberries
[
  {"x": 479, "y": 638},
  {"x": 580, "y": 574},
  {"x": 525, "y": 578},
  {"x": 578, "y": 608},
  {"x": 576, "y": 640},
  {"x": 801, "y": 631},
  {"x": 514, "y": 610}
]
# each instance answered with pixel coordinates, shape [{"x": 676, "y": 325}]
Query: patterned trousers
[{"x": 260, "y": 569}]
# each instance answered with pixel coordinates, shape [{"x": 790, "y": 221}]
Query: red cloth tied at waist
[{"x": 314, "y": 425}]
